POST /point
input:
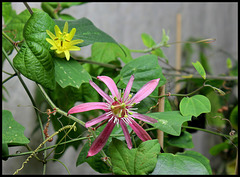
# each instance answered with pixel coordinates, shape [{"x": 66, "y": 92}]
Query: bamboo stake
[
  {"x": 178, "y": 48},
  {"x": 160, "y": 134}
]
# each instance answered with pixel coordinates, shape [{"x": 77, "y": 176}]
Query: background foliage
[{"x": 64, "y": 83}]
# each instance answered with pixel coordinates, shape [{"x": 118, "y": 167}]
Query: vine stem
[
  {"x": 159, "y": 45},
  {"x": 30, "y": 96},
  {"x": 10, "y": 40},
  {"x": 28, "y": 7},
  {"x": 106, "y": 65},
  {"x": 44, "y": 142},
  {"x": 183, "y": 95},
  {"x": 73, "y": 118},
  {"x": 57, "y": 109},
  {"x": 62, "y": 164},
  {"x": 113, "y": 135}
]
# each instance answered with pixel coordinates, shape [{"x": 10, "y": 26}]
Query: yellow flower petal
[
  {"x": 77, "y": 41},
  {"x": 50, "y": 41},
  {"x": 67, "y": 54},
  {"x": 57, "y": 31},
  {"x": 74, "y": 48},
  {"x": 58, "y": 51},
  {"x": 53, "y": 48},
  {"x": 71, "y": 34},
  {"x": 65, "y": 28},
  {"x": 50, "y": 34},
  {"x": 62, "y": 43}
]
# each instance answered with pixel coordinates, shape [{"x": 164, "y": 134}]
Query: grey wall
[{"x": 125, "y": 22}]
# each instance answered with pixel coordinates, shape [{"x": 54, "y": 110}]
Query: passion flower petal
[
  {"x": 141, "y": 133},
  {"x": 126, "y": 134},
  {"x": 144, "y": 118},
  {"x": 128, "y": 88},
  {"x": 146, "y": 90},
  {"x": 97, "y": 120},
  {"x": 110, "y": 84},
  {"x": 101, "y": 140},
  {"x": 102, "y": 93},
  {"x": 87, "y": 107}
]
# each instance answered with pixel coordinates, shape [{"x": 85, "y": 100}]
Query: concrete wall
[{"x": 125, "y": 22}]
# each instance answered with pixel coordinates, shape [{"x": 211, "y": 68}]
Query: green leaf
[
  {"x": 170, "y": 164},
  {"x": 70, "y": 73},
  {"x": 205, "y": 62},
  {"x": 149, "y": 42},
  {"x": 215, "y": 150},
  {"x": 127, "y": 57},
  {"x": 63, "y": 5},
  {"x": 229, "y": 63},
  {"x": 106, "y": 52},
  {"x": 55, "y": 8},
  {"x": 7, "y": 12},
  {"x": 234, "y": 117},
  {"x": 94, "y": 161},
  {"x": 34, "y": 60},
  {"x": 182, "y": 141},
  {"x": 143, "y": 73},
  {"x": 199, "y": 157},
  {"x": 14, "y": 27},
  {"x": 12, "y": 131},
  {"x": 86, "y": 31},
  {"x": 165, "y": 38},
  {"x": 194, "y": 105},
  {"x": 216, "y": 103},
  {"x": 66, "y": 17},
  {"x": 137, "y": 161},
  {"x": 5, "y": 151},
  {"x": 198, "y": 66},
  {"x": 169, "y": 122}
]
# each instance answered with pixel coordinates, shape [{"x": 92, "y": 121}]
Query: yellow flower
[{"x": 63, "y": 42}]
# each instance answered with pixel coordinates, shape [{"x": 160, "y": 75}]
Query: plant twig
[
  {"x": 34, "y": 152},
  {"x": 226, "y": 78},
  {"x": 73, "y": 118},
  {"x": 28, "y": 7},
  {"x": 11, "y": 41},
  {"x": 62, "y": 164},
  {"x": 57, "y": 109},
  {"x": 106, "y": 65}
]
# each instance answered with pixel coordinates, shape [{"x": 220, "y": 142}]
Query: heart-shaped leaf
[
  {"x": 14, "y": 25},
  {"x": 86, "y": 31},
  {"x": 137, "y": 161},
  {"x": 70, "y": 73},
  {"x": 169, "y": 122},
  {"x": 170, "y": 164},
  {"x": 144, "y": 68},
  {"x": 12, "y": 131},
  {"x": 194, "y": 105},
  {"x": 34, "y": 60},
  {"x": 182, "y": 141},
  {"x": 199, "y": 157}
]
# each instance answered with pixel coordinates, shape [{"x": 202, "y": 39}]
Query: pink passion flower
[{"x": 118, "y": 110}]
